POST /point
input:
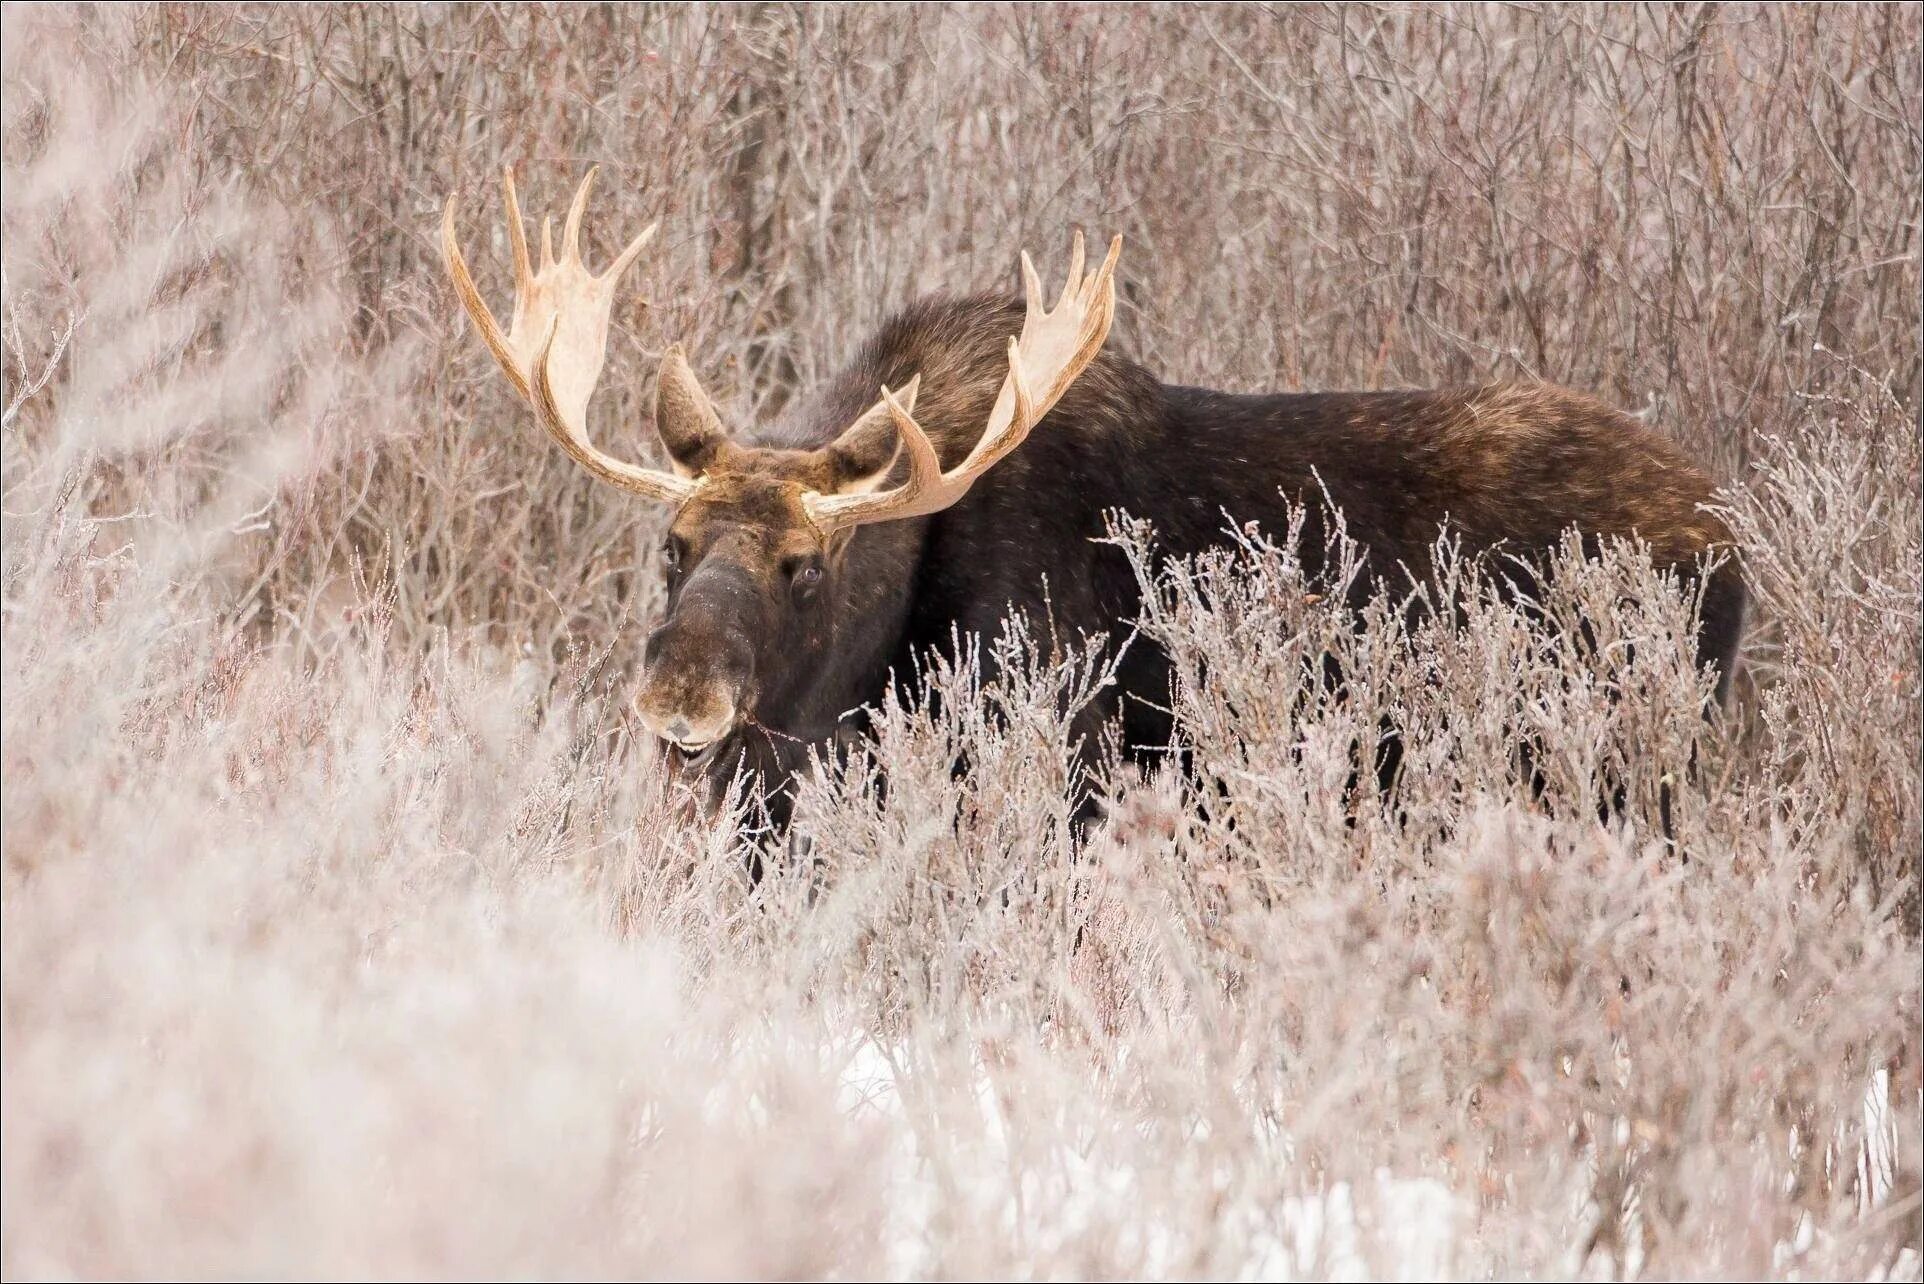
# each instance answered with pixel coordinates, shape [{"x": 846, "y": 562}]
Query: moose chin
[{"x": 962, "y": 467}]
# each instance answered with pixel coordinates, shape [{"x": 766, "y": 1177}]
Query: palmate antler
[
  {"x": 557, "y": 341},
  {"x": 1055, "y": 346}
]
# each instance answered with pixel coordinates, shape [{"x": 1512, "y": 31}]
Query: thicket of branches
[{"x": 349, "y": 924}]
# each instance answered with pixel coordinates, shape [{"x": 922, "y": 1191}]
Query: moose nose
[{"x": 687, "y": 731}]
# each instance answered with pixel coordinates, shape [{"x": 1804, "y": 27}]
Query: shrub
[{"x": 350, "y": 926}]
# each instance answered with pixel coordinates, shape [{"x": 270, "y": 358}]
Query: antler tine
[
  {"x": 477, "y": 307},
  {"x": 556, "y": 346},
  {"x": 571, "y": 237},
  {"x": 1032, "y": 285},
  {"x": 1105, "y": 276},
  {"x": 1055, "y": 346},
  {"x": 517, "y": 230},
  {"x": 629, "y": 255},
  {"x": 1072, "y": 284},
  {"x": 925, "y": 466}
]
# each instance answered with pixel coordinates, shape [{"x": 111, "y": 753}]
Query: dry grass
[{"x": 349, "y": 928}]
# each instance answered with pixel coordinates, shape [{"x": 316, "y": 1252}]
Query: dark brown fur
[{"x": 1509, "y": 465}]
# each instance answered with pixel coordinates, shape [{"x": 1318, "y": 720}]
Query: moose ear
[
  {"x": 859, "y": 460},
  {"x": 684, "y": 418}
]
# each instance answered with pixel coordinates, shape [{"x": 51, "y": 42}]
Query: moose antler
[
  {"x": 557, "y": 341},
  {"x": 1055, "y": 346}
]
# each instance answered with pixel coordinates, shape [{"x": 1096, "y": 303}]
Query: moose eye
[
  {"x": 671, "y": 556},
  {"x": 805, "y": 579}
]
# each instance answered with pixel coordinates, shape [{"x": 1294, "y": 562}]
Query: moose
[{"x": 962, "y": 468}]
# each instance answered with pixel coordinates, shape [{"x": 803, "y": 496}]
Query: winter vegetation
[{"x": 351, "y": 925}]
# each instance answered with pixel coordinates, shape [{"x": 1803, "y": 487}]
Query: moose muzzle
[{"x": 700, "y": 664}]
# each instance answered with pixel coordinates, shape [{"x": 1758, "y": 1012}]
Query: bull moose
[{"x": 962, "y": 467}]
